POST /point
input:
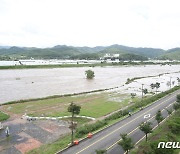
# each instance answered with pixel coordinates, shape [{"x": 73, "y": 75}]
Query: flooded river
[{"x": 36, "y": 83}]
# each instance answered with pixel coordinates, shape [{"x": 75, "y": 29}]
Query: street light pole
[
  {"x": 170, "y": 82},
  {"x": 142, "y": 93}
]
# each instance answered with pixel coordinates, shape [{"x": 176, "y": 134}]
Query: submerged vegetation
[
  {"x": 92, "y": 127},
  {"x": 89, "y": 74}
]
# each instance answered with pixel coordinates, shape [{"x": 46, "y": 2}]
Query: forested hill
[
  {"x": 172, "y": 54},
  {"x": 71, "y": 52}
]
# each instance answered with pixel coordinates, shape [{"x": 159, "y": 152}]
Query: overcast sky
[{"x": 45, "y": 23}]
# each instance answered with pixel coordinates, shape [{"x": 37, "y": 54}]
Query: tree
[
  {"x": 89, "y": 74},
  {"x": 176, "y": 105},
  {"x": 145, "y": 91},
  {"x": 74, "y": 109},
  {"x": 159, "y": 117},
  {"x": 146, "y": 128},
  {"x": 128, "y": 81},
  {"x": 168, "y": 83},
  {"x": 126, "y": 143},
  {"x": 157, "y": 85},
  {"x": 169, "y": 111},
  {"x": 101, "y": 151},
  {"x": 152, "y": 85},
  {"x": 178, "y": 79},
  {"x": 178, "y": 98},
  {"x": 133, "y": 95}
]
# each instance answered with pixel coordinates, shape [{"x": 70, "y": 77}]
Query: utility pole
[
  {"x": 170, "y": 82},
  {"x": 142, "y": 93}
]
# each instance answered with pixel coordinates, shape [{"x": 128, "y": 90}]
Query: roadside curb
[
  {"x": 123, "y": 118},
  {"x": 54, "y": 118}
]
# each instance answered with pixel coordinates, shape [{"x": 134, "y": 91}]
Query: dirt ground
[{"x": 27, "y": 135}]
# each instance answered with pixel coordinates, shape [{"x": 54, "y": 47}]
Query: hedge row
[
  {"x": 90, "y": 128},
  {"x": 99, "y": 124}
]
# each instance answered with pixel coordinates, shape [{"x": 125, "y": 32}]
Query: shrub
[
  {"x": 178, "y": 98},
  {"x": 176, "y": 106},
  {"x": 90, "y": 128},
  {"x": 101, "y": 151},
  {"x": 3, "y": 116},
  {"x": 155, "y": 150},
  {"x": 80, "y": 132},
  {"x": 174, "y": 125}
]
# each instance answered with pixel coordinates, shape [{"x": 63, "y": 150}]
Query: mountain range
[{"x": 71, "y": 52}]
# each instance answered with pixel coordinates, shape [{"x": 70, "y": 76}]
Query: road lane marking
[
  {"x": 123, "y": 126},
  {"x": 153, "y": 129},
  {"x": 147, "y": 116},
  {"x": 127, "y": 134},
  {"x": 137, "y": 128}
]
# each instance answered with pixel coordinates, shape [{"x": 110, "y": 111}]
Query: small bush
[
  {"x": 156, "y": 150},
  {"x": 3, "y": 116},
  {"x": 174, "y": 125},
  {"x": 90, "y": 128},
  {"x": 178, "y": 98},
  {"x": 176, "y": 106},
  {"x": 101, "y": 151}
]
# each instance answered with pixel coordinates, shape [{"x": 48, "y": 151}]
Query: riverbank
[{"x": 102, "y": 64}]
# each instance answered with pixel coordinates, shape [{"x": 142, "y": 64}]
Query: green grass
[
  {"x": 63, "y": 142},
  {"x": 80, "y": 121},
  {"x": 93, "y": 105},
  {"x": 52, "y": 148},
  {"x": 3, "y": 116}
]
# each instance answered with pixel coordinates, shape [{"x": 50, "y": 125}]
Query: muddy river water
[{"x": 35, "y": 83}]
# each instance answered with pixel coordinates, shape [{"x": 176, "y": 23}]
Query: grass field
[
  {"x": 93, "y": 105},
  {"x": 54, "y": 147},
  {"x": 60, "y": 143},
  {"x": 3, "y": 116}
]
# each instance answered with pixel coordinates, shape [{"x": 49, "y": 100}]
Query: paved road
[{"x": 107, "y": 138}]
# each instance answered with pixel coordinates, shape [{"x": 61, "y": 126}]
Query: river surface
[{"x": 17, "y": 84}]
